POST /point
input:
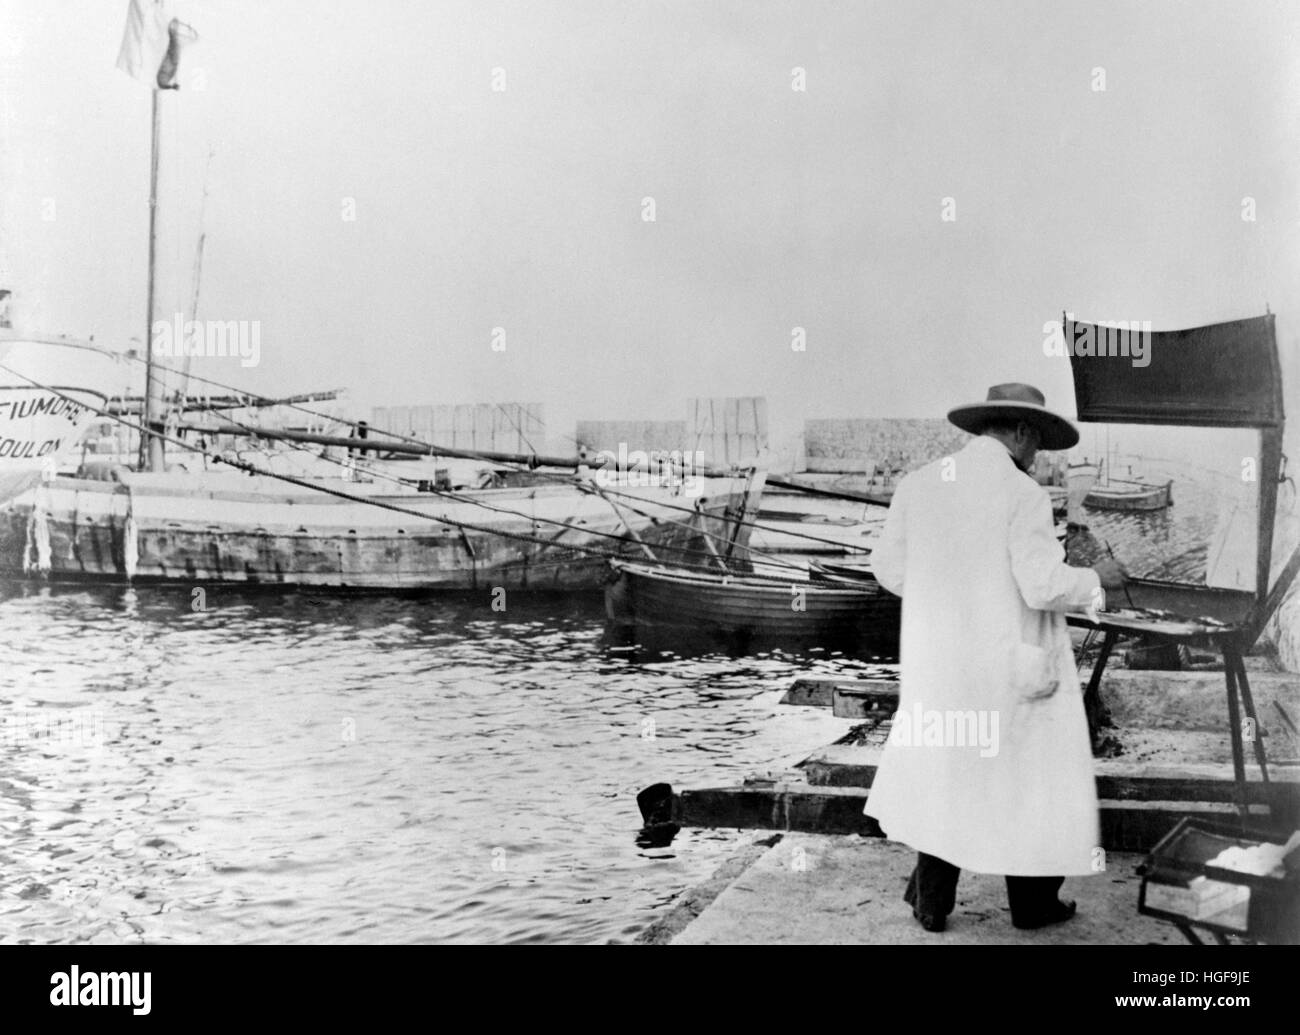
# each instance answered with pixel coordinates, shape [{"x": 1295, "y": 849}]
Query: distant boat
[
  {"x": 767, "y": 609},
  {"x": 1129, "y": 494},
  {"x": 1136, "y": 496}
]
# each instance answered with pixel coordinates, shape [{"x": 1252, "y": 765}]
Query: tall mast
[
  {"x": 182, "y": 390},
  {"x": 152, "y": 456}
]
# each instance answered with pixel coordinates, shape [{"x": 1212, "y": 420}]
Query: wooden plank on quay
[
  {"x": 1125, "y": 826},
  {"x": 819, "y": 693},
  {"x": 828, "y": 810},
  {"x": 854, "y": 765},
  {"x": 853, "y": 702}
]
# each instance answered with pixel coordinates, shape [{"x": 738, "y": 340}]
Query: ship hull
[{"x": 200, "y": 530}]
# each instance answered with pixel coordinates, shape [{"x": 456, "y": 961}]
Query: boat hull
[
  {"x": 233, "y": 529},
  {"x": 1153, "y": 497},
  {"x": 740, "y": 609}
]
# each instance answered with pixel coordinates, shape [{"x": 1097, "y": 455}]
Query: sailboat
[
  {"x": 1128, "y": 494},
  {"x": 246, "y": 522}
]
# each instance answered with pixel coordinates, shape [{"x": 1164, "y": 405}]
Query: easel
[
  {"x": 1231, "y": 643},
  {"x": 1220, "y": 376}
]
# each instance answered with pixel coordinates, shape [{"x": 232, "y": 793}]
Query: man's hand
[{"x": 1111, "y": 573}]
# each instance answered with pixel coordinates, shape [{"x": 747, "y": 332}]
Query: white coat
[{"x": 989, "y": 762}]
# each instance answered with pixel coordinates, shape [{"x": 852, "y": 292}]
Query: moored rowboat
[{"x": 770, "y": 609}]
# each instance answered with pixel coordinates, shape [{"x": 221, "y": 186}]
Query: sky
[{"x": 1098, "y": 157}]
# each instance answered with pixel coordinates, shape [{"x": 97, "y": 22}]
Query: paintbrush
[{"x": 1126, "y": 592}]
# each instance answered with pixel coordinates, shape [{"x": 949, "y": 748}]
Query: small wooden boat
[
  {"x": 838, "y": 610},
  {"x": 1132, "y": 494},
  {"x": 1120, "y": 495}
]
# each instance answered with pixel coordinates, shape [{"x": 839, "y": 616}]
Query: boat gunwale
[{"x": 753, "y": 581}]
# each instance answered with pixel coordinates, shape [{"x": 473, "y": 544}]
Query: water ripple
[{"x": 285, "y": 767}]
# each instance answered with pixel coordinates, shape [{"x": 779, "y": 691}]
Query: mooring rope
[
  {"x": 560, "y": 479},
  {"x": 250, "y": 468}
]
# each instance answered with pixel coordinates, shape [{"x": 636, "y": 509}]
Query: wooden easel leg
[
  {"x": 1093, "y": 706},
  {"x": 1248, "y": 706},
  {"x": 1234, "y": 733},
  {"x": 1189, "y": 933}
]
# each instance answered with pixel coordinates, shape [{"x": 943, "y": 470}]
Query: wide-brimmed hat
[{"x": 1021, "y": 401}]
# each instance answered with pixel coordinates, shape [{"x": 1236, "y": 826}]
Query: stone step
[{"x": 792, "y": 805}]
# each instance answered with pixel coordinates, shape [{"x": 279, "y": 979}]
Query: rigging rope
[
  {"x": 253, "y": 469},
  {"x": 558, "y": 478},
  {"x": 681, "y": 552}
]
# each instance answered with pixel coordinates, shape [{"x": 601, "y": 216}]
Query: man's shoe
[
  {"x": 934, "y": 924},
  {"x": 1058, "y": 913}
]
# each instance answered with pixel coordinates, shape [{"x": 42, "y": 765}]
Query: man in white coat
[{"x": 989, "y": 763}]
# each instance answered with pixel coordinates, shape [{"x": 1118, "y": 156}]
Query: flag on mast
[{"x": 151, "y": 43}]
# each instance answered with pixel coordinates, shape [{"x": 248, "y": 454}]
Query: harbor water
[{"x": 234, "y": 767}]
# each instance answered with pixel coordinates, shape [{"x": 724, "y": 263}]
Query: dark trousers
[{"x": 932, "y": 890}]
